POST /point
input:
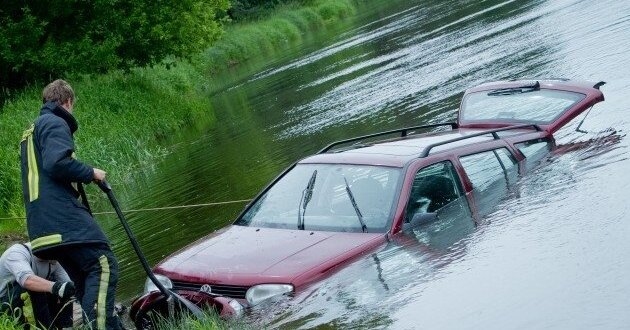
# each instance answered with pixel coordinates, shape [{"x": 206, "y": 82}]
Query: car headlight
[
  {"x": 150, "y": 286},
  {"x": 261, "y": 292}
]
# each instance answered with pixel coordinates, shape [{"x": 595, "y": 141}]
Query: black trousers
[
  {"x": 94, "y": 271},
  {"x": 48, "y": 310}
]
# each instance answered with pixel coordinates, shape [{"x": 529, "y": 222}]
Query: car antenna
[{"x": 597, "y": 86}]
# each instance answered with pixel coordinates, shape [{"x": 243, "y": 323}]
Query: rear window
[{"x": 536, "y": 106}]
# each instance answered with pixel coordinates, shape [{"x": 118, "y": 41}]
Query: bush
[
  {"x": 124, "y": 115},
  {"x": 242, "y": 9},
  {"x": 42, "y": 40}
]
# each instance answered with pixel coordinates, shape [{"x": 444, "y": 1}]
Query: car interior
[{"x": 433, "y": 188}]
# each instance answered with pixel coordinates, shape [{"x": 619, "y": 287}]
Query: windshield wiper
[
  {"x": 526, "y": 88},
  {"x": 307, "y": 194},
  {"x": 356, "y": 207}
]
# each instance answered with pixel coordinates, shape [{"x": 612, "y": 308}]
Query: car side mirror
[{"x": 420, "y": 218}]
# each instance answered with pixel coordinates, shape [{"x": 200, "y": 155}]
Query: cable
[{"x": 154, "y": 208}]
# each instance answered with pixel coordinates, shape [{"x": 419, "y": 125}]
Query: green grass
[
  {"x": 8, "y": 322},
  {"x": 209, "y": 321},
  {"x": 123, "y": 116},
  {"x": 286, "y": 26}
]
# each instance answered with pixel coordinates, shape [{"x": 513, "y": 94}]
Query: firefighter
[{"x": 60, "y": 227}]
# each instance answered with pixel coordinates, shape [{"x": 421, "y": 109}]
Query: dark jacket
[{"x": 54, "y": 214}]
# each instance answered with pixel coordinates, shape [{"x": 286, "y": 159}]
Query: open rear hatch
[{"x": 550, "y": 104}]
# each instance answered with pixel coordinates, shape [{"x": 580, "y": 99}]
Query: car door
[
  {"x": 549, "y": 104},
  {"x": 434, "y": 188},
  {"x": 437, "y": 211}
]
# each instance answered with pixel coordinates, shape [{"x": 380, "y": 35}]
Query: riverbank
[{"x": 123, "y": 116}]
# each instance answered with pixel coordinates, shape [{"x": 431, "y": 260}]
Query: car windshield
[
  {"x": 329, "y": 206},
  {"x": 535, "y": 106}
]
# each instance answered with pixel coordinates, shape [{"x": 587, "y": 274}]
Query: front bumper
[{"x": 156, "y": 302}]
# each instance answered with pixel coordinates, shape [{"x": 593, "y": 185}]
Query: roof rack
[
  {"x": 403, "y": 132},
  {"x": 494, "y": 132}
]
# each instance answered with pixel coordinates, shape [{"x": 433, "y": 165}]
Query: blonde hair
[{"x": 58, "y": 91}]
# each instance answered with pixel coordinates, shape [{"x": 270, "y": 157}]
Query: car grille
[{"x": 232, "y": 291}]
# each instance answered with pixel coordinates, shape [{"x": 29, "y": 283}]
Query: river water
[{"x": 554, "y": 253}]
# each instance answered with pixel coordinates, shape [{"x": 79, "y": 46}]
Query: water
[{"x": 553, "y": 253}]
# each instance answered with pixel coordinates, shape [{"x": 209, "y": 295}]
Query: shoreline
[{"x": 123, "y": 116}]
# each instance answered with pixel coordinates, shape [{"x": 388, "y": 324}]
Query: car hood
[{"x": 247, "y": 256}]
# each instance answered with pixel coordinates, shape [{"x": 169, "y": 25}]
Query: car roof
[
  {"x": 400, "y": 151},
  {"x": 464, "y": 137}
]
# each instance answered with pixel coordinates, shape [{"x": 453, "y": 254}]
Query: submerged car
[{"x": 355, "y": 195}]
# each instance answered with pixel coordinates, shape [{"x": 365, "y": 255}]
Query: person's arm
[
  {"x": 57, "y": 148},
  {"x": 18, "y": 262},
  {"x": 38, "y": 284}
]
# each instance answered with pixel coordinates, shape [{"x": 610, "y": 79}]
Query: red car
[{"x": 352, "y": 197}]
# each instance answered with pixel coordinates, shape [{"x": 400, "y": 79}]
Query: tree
[{"x": 42, "y": 40}]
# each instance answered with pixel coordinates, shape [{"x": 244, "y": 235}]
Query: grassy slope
[{"x": 123, "y": 116}]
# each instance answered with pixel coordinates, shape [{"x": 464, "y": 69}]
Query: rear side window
[
  {"x": 490, "y": 172},
  {"x": 484, "y": 168},
  {"x": 534, "y": 151},
  {"x": 508, "y": 163}
]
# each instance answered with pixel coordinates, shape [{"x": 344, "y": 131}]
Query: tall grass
[
  {"x": 124, "y": 115},
  {"x": 9, "y": 322},
  {"x": 285, "y": 27},
  {"x": 208, "y": 321}
]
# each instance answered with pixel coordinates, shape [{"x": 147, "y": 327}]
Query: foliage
[
  {"x": 208, "y": 321},
  {"x": 43, "y": 39},
  {"x": 276, "y": 33},
  {"x": 9, "y": 322},
  {"x": 243, "y": 9},
  {"x": 124, "y": 115}
]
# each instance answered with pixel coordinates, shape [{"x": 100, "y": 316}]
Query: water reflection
[
  {"x": 365, "y": 294},
  {"x": 551, "y": 252}
]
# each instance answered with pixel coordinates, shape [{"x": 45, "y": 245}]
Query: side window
[
  {"x": 508, "y": 163},
  {"x": 483, "y": 169},
  {"x": 490, "y": 172},
  {"x": 534, "y": 151},
  {"x": 433, "y": 187}
]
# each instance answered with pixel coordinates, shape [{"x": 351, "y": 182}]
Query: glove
[{"x": 64, "y": 290}]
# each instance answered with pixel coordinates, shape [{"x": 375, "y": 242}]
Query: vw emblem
[{"x": 206, "y": 288}]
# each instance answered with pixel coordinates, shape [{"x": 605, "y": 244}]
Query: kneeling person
[{"x": 40, "y": 289}]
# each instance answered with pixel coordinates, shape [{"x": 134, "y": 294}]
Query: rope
[{"x": 155, "y": 208}]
